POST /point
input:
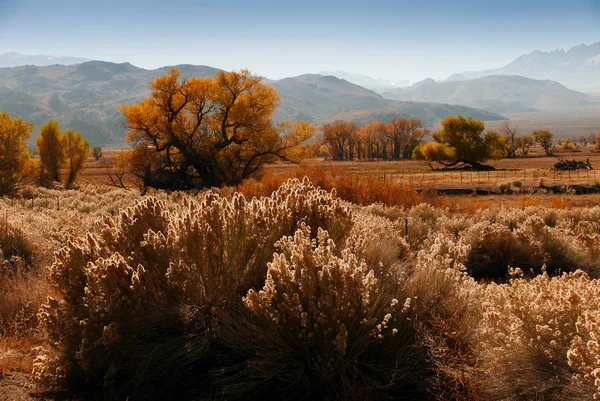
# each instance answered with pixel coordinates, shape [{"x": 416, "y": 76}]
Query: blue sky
[{"x": 381, "y": 38}]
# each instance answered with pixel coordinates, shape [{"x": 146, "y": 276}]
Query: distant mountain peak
[
  {"x": 425, "y": 82},
  {"x": 576, "y": 68},
  {"x": 366, "y": 81},
  {"x": 14, "y": 59},
  {"x": 496, "y": 93}
]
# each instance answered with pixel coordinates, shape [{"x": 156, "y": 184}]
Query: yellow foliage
[
  {"x": 15, "y": 161},
  {"x": 50, "y": 149},
  {"x": 545, "y": 139},
  {"x": 597, "y": 147},
  {"x": 434, "y": 153},
  {"x": 77, "y": 150},
  {"x": 212, "y": 131}
]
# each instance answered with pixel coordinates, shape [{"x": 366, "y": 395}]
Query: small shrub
[
  {"x": 23, "y": 285},
  {"x": 324, "y": 327},
  {"x": 14, "y": 244},
  {"x": 531, "y": 338}
]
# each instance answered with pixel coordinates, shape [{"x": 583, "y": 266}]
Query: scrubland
[{"x": 333, "y": 287}]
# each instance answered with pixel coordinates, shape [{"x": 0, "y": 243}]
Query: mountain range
[
  {"x": 375, "y": 84},
  {"x": 577, "y": 68},
  {"x": 16, "y": 59},
  {"x": 495, "y": 93},
  {"x": 86, "y": 97}
]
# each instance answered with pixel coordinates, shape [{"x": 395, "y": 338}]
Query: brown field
[{"x": 529, "y": 170}]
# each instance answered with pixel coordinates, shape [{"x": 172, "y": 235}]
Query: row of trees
[
  {"x": 377, "y": 140},
  {"x": 462, "y": 142},
  {"x": 343, "y": 140},
  {"x": 57, "y": 150}
]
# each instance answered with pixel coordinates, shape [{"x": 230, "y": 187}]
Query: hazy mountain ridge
[
  {"x": 495, "y": 93},
  {"x": 8, "y": 60},
  {"x": 86, "y": 97},
  {"x": 577, "y": 68},
  {"x": 366, "y": 81}
]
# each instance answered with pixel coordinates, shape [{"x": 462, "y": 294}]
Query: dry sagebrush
[
  {"x": 325, "y": 326},
  {"x": 538, "y": 338},
  {"x": 22, "y": 287},
  {"x": 185, "y": 293},
  {"x": 145, "y": 287}
]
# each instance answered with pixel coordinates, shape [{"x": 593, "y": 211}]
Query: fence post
[{"x": 406, "y": 227}]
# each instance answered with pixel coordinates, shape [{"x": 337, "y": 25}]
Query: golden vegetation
[
  {"x": 61, "y": 150},
  {"x": 359, "y": 189},
  {"x": 377, "y": 140},
  {"x": 545, "y": 139},
  {"x": 461, "y": 142},
  {"x": 298, "y": 293},
  {"x": 207, "y": 132},
  {"x": 15, "y": 161}
]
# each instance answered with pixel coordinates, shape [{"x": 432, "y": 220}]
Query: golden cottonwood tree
[
  {"x": 50, "y": 149},
  {"x": 545, "y": 139},
  {"x": 340, "y": 136},
  {"x": 403, "y": 133},
  {"x": 597, "y": 143},
  {"x": 461, "y": 142},
  {"x": 76, "y": 152},
  {"x": 211, "y": 131},
  {"x": 15, "y": 161}
]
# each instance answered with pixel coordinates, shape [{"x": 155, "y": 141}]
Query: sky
[{"x": 391, "y": 39}]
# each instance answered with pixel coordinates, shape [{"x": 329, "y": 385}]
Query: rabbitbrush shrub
[
  {"x": 539, "y": 338},
  {"x": 15, "y": 247},
  {"x": 325, "y": 327},
  {"x": 141, "y": 293}
]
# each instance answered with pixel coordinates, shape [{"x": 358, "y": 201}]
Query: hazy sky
[{"x": 381, "y": 38}]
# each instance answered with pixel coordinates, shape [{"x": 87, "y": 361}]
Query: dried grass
[{"x": 181, "y": 296}]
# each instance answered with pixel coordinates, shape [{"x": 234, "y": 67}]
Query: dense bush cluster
[
  {"x": 17, "y": 311},
  {"x": 300, "y": 295}
]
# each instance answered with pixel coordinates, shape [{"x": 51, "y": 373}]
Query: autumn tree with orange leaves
[
  {"x": 340, "y": 137},
  {"x": 402, "y": 132},
  {"x": 209, "y": 132}
]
